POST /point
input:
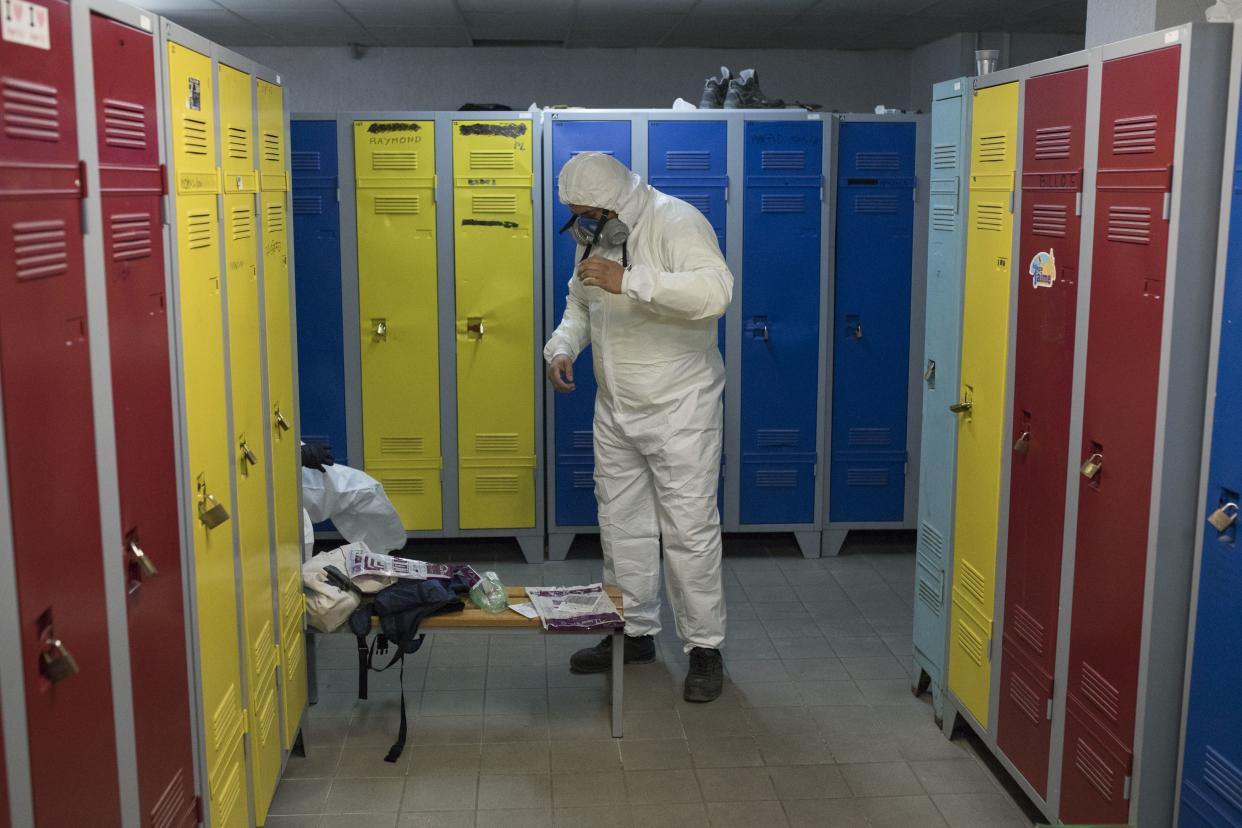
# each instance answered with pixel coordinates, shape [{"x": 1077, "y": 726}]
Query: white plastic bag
[
  {"x": 308, "y": 536},
  {"x": 327, "y": 605},
  {"x": 356, "y": 504}
]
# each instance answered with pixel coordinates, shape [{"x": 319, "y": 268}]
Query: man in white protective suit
[{"x": 646, "y": 294}]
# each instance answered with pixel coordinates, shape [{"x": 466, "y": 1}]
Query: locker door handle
[
  {"x": 56, "y": 663},
  {"x": 854, "y": 326},
  {"x": 1091, "y": 466},
  {"x": 474, "y": 327},
  {"x": 379, "y": 329},
  {"x": 929, "y": 374},
  {"x": 1023, "y": 444},
  {"x": 962, "y": 408},
  {"x": 281, "y": 422},
  {"x": 1224, "y": 517},
  {"x": 758, "y": 328},
  {"x": 145, "y": 566}
]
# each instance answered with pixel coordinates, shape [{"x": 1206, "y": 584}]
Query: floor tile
[
  {"x": 994, "y": 810},
  {"x": 827, "y": 813},
  {"x": 517, "y": 677},
  {"x": 881, "y": 779},
  {"x": 746, "y": 814},
  {"x": 953, "y": 776},
  {"x": 515, "y": 757},
  {"x": 877, "y": 667},
  {"x": 828, "y": 668},
  {"x": 803, "y": 647},
  {"x": 771, "y": 721},
  {"x": 578, "y": 789},
  {"x": 436, "y": 759},
  {"x": 725, "y": 752},
  {"x": 515, "y": 701},
  {"x": 442, "y": 819},
  {"x": 669, "y": 815},
  {"x": 858, "y": 646},
  {"x": 299, "y": 796},
  {"x": 654, "y": 754},
  {"x": 370, "y": 820},
  {"x": 831, "y": 694},
  {"x": 445, "y": 730},
  {"x": 651, "y": 724},
  {"x": 662, "y": 787},
  {"x": 451, "y": 703},
  {"x": 809, "y": 782},
  {"x": 770, "y": 694},
  {"x": 441, "y": 792},
  {"x": 356, "y": 796},
  {"x": 735, "y": 784},
  {"x": 794, "y": 749},
  {"x": 607, "y": 816},
  {"x": 594, "y": 756},
  {"x": 746, "y": 670},
  {"x": 316, "y": 764},
  {"x": 367, "y": 762},
  {"x": 532, "y": 727},
  {"x": 497, "y": 791},
  {"x": 705, "y": 720},
  {"x": 516, "y": 817},
  {"x": 299, "y": 821}
]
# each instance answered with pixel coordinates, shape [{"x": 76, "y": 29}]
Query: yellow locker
[
  {"x": 493, "y": 215},
  {"x": 196, "y": 186},
  {"x": 395, "y": 181},
  {"x": 241, "y": 183},
  {"x": 983, "y": 407},
  {"x": 286, "y": 457}
]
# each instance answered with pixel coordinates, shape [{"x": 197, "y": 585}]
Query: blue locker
[
  {"x": 782, "y": 209},
  {"x": 575, "y": 462},
  {"x": 950, "y": 135},
  {"x": 317, "y": 251},
  {"x": 1211, "y": 793},
  {"x": 871, "y": 321}
]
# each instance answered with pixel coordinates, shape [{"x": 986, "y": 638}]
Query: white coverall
[{"x": 658, "y": 413}]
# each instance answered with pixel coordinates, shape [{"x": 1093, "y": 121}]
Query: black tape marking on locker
[
  {"x": 507, "y": 130},
  {"x": 394, "y": 126},
  {"x": 510, "y": 225}
]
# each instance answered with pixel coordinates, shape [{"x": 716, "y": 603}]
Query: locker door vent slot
[
  {"x": 992, "y": 147},
  {"x": 875, "y": 203},
  {"x": 271, "y": 147},
  {"x": 973, "y": 582},
  {"x": 584, "y": 479},
  {"x": 396, "y": 205},
  {"x": 40, "y": 249},
  {"x": 1025, "y": 698},
  {"x": 266, "y": 716},
  {"x": 1224, "y": 777},
  {"x": 31, "y": 110},
  {"x": 493, "y": 160},
  {"x": 226, "y": 722},
  {"x": 866, "y": 477},
  {"x": 241, "y": 223},
  {"x": 776, "y": 478},
  {"x": 783, "y": 203},
  {"x": 1050, "y": 220},
  {"x": 401, "y": 445},
  {"x": 944, "y": 157},
  {"x": 778, "y": 437},
  {"x": 496, "y": 484},
  {"x": 1135, "y": 136},
  {"x": 782, "y": 160},
  {"x": 125, "y": 124},
  {"x": 971, "y": 644},
  {"x": 172, "y": 804},
  {"x": 404, "y": 485},
  {"x": 239, "y": 143},
  {"x": 305, "y": 161},
  {"x": 131, "y": 236},
  {"x": 1028, "y": 629},
  {"x": 931, "y": 544},
  {"x": 495, "y": 442},
  {"x": 871, "y": 437},
  {"x": 493, "y": 203},
  {"x": 1100, "y": 692},
  {"x": 991, "y": 217},
  {"x": 1052, "y": 142},
  {"x": 275, "y": 214},
  {"x": 688, "y": 160},
  {"x": 877, "y": 161},
  {"x": 387, "y": 160},
  {"x": 305, "y": 205},
  {"x": 1094, "y": 769},
  {"x": 701, "y": 202},
  {"x": 227, "y": 796},
  {"x": 1129, "y": 225},
  {"x": 583, "y": 440},
  {"x": 265, "y": 649},
  {"x": 195, "y": 130},
  {"x": 199, "y": 226},
  {"x": 944, "y": 218},
  {"x": 930, "y": 594}
]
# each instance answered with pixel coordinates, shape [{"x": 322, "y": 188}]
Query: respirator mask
[{"x": 589, "y": 232}]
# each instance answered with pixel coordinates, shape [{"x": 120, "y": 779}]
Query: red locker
[
  {"x": 45, "y": 369},
  {"x": 1054, "y": 120},
  {"x": 131, "y": 185},
  {"x": 1137, "y": 127}
]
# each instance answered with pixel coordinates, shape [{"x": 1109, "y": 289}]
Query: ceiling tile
[
  {"x": 753, "y": 6},
  {"x": 405, "y": 13},
  {"x": 526, "y": 8},
  {"x": 603, "y": 14},
  {"x": 1068, "y": 16},
  {"x": 282, "y": 18},
  {"x": 420, "y": 35},
  {"x": 842, "y": 31},
  {"x": 496, "y": 26},
  {"x": 868, "y": 8},
  {"x": 197, "y": 21},
  {"x": 290, "y": 6}
]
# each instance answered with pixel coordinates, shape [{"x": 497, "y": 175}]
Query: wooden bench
[{"x": 474, "y": 620}]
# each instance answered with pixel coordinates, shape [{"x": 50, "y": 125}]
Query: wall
[{"x": 1109, "y": 20}]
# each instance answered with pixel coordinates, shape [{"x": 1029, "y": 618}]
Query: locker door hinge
[
  {"x": 1048, "y": 711},
  {"x": 338, "y": 195},
  {"x": 989, "y": 649},
  {"x": 914, "y": 193},
  {"x": 1011, "y": 197},
  {"x": 1125, "y": 791},
  {"x": 726, "y": 189},
  {"x": 164, "y": 210},
  {"x": 1167, "y": 209},
  {"x": 435, "y": 189},
  {"x": 1078, "y": 204},
  {"x": 821, "y": 193}
]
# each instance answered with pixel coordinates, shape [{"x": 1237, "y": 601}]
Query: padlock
[
  {"x": 474, "y": 327},
  {"x": 1092, "y": 466},
  {"x": 57, "y": 663},
  {"x": 1224, "y": 517},
  {"x": 211, "y": 513},
  {"x": 281, "y": 422},
  {"x": 857, "y": 332},
  {"x": 929, "y": 374},
  {"x": 144, "y": 562},
  {"x": 248, "y": 455},
  {"x": 963, "y": 407},
  {"x": 379, "y": 330},
  {"x": 1023, "y": 445}
]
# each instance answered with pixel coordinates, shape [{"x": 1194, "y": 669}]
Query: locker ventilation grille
[
  {"x": 227, "y": 796},
  {"x": 1049, "y": 220},
  {"x": 870, "y": 436},
  {"x": 404, "y": 485},
  {"x": 688, "y": 160},
  {"x": 866, "y": 477},
  {"x": 969, "y": 642},
  {"x": 226, "y": 722},
  {"x": 992, "y": 147},
  {"x": 195, "y": 130},
  {"x": 492, "y": 160},
  {"x": 241, "y": 223},
  {"x": 1129, "y": 225},
  {"x": 776, "y": 203},
  {"x": 1094, "y": 769},
  {"x": 495, "y": 442},
  {"x": 267, "y": 714},
  {"x": 390, "y": 160},
  {"x": 199, "y": 228},
  {"x": 40, "y": 249},
  {"x": 1052, "y": 142},
  {"x": 275, "y": 214},
  {"x": 271, "y": 148},
  {"x": 778, "y": 437},
  {"x": 877, "y": 161},
  {"x": 1224, "y": 777},
  {"x": 239, "y": 142},
  {"x": 401, "y": 445},
  {"x": 944, "y": 218},
  {"x": 702, "y": 203},
  {"x": 1134, "y": 136},
  {"x": 1025, "y": 697},
  {"x": 410, "y": 205},
  {"x": 307, "y": 205},
  {"x": 131, "y": 236},
  {"x": 782, "y": 160},
  {"x": 990, "y": 217},
  {"x": 875, "y": 203},
  {"x": 1028, "y": 629},
  {"x": 583, "y": 440},
  {"x": 496, "y": 484},
  {"x": 125, "y": 124},
  {"x": 295, "y": 649},
  {"x": 944, "y": 157},
  {"x": 172, "y": 804},
  {"x": 305, "y": 161},
  {"x": 584, "y": 479},
  {"x": 929, "y": 594},
  {"x": 506, "y": 204},
  {"x": 776, "y": 478},
  {"x": 1100, "y": 691},
  {"x": 31, "y": 110},
  {"x": 931, "y": 543},
  {"x": 973, "y": 582}
]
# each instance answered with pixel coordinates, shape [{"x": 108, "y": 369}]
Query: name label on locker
[{"x": 27, "y": 24}]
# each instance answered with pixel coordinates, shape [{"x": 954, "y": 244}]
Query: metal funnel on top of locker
[
  {"x": 774, "y": 333},
  {"x": 942, "y": 341},
  {"x": 1210, "y": 789},
  {"x": 878, "y": 244}
]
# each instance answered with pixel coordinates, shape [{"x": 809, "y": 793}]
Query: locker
[
  {"x": 779, "y": 355},
  {"x": 982, "y": 404},
  {"x": 493, "y": 216},
  {"x": 574, "y": 413},
  {"x": 317, "y": 240},
  {"x": 282, "y": 411},
  {"x": 1211, "y": 784},
  {"x": 249, "y": 439},
  {"x": 1138, "y": 116},
  {"x": 950, "y": 126},
  {"x": 130, "y": 193},
  {"x": 1053, "y": 124},
  {"x": 397, "y": 271},
  {"x": 871, "y": 324},
  {"x": 196, "y": 183}
]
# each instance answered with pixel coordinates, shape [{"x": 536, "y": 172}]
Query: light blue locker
[{"x": 941, "y": 374}]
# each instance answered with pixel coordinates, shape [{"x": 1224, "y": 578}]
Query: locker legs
[
  {"x": 809, "y": 543},
  {"x": 532, "y": 548},
  {"x": 299, "y": 746},
  {"x": 312, "y": 670},
  {"x": 833, "y": 540},
  {"x": 558, "y": 546}
]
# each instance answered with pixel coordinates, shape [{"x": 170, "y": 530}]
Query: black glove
[{"x": 316, "y": 456}]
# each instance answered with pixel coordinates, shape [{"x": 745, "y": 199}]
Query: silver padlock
[
  {"x": 1023, "y": 445},
  {"x": 929, "y": 375},
  {"x": 248, "y": 455},
  {"x": 142, "y": 559},
  {"x": 1091, "y": 467},
  {"x": 57, "y": 663},
  {"x": 211, "y": 513},
  {"x": 1224, "y": 517}
]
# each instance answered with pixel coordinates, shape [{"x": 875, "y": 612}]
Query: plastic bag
[
  {"x": 356, "y": 504},
  {"x": 489, "y": 593},
  {"x": 328, "y": 606}
]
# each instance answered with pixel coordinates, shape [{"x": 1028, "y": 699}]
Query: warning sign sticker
[
  {"x": 195, "y": 99},
  {"x": 1043, "y": 269},
  {"x": 26, "y": 24}
]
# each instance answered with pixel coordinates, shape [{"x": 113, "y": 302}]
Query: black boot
[
  {"x": 639, "y": 649},
  {"x": 706, "y": 677}
]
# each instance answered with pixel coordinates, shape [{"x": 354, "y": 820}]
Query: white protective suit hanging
[
  {"x": 356, "y": 504},
  {"x": 658, "y": 412}
]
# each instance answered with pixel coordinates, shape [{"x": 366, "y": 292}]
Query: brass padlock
[
  {"x": 144, "y": 562},
  {"x": 1023, "y": 445},
  {"x": 963, "y": 407},
  {"x": 56, "y": 663},
  {"x": 929, "y": 374},
  {"x": 248, "y": 455},
  {"x": 1091, "y": 467},
  {"x": 281, "y": 422},
  {"x": 1224, "y": 517},
  {"x": 211, "y": 513}
]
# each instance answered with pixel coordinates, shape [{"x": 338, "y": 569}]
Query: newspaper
[
  {"x": 364, "y": 563},
  {"x": 575, "y": 608}
]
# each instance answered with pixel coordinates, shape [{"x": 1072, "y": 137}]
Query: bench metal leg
[{"x": 618, "y": 674}]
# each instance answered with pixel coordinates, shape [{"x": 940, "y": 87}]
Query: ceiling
[{"x": 767, "y": 24}]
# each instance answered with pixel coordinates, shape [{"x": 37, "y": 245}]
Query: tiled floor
[{"x": 817, "y": 725}]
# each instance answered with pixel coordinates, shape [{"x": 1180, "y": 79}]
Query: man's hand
[
  {"x": 601, "y": 273},
  {"x": 561, "y": 373}
]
